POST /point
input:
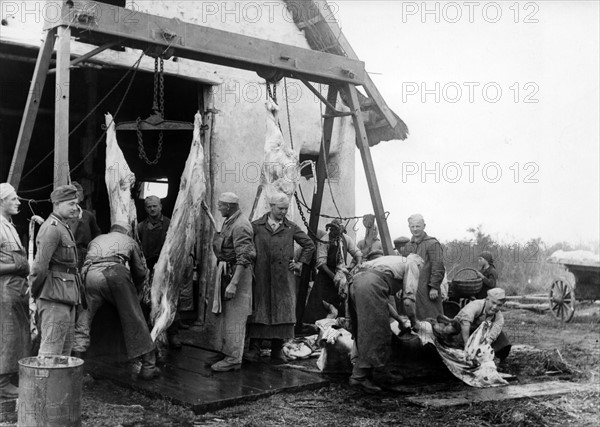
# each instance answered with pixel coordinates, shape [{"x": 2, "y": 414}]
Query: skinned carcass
[
  {"x": 280, "y": 170},
  {"x": 119, "y": 179},
  {"x": 179, "y": 243}
]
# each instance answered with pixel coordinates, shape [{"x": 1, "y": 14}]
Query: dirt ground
[{"x": 568, "y": 352}]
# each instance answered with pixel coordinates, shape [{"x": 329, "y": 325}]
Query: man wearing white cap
[
  {"x": 474, "y": 314},
  {"x": 55, "y": 281},
  {"x": 274, "y": 313},
  {"x": 113, "y": 268},
  {"x": 234, "y": 248},
  {"x": 15, "y": 342}
]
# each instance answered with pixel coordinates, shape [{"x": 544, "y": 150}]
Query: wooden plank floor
[
  {"x": 187, "y": 381},
  {"x": 471, "y": 395}
]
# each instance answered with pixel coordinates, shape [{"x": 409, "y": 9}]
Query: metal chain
[
  {"x": 158, "y": 105},
  {"x": 310, "y": 232},
  {"x": 162, "y": 88},
  {"x": 272, "y": 94},
  {"x": 155, "y": 97},
  {"x": 142, "y": 152}
]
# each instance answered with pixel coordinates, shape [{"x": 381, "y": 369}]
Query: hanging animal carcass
[
  {"x": 280, "y": 170},
  {"x": 176, "y": 253},
  {"x": 119, "y": 179}
]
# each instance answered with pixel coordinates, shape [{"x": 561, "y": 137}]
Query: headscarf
[
  {"x": 486, "y": 255},
  {"x": 6, "y": 190}
]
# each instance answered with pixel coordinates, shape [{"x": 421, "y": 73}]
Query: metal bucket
[{"x": 50, "y": 391}]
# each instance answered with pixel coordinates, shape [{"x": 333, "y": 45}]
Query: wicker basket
[{"x": 466, "y": 287}]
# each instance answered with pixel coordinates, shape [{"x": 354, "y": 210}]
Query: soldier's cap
[
  {"x": 121, "y": 226},
  {"x": 6, "y": 190},
  {"x": 229, "y": 197},
  {"x": 497, "y": 294},
  {"x": 402, "y": 240},
  {"x": 64, "y": 193}
]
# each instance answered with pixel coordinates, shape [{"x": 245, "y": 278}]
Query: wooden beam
[
  {"x": 520, "y": 391},
  {"x": 206, "y": 257},
  {"x": 31, "y": 109},
  {"x": 88, "y": 55},
  {"x": 315, "y": 209},
  {"x": 174, "y": 37},
  {"x": 370, "y": 88},
  {"x": 318, "y": 95},
  {"x": 365, "y": 154},
  {"x": 61, "y": 115}
]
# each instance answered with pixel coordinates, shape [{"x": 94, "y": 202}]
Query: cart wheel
[{"x": 562, "y": 300}]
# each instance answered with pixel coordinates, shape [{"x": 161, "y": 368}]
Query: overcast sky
[{"x": 503, "y": 115}]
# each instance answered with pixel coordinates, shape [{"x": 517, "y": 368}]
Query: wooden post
[
  {"x": 317, "y": 200},
  {"x": 315, "y": 209},
  {"x": 61, "y": 114},
  {"x": 91, "y": 134},
  {"x": 206, "y": 258},
  {"x": 31, "y": 109},
  {"x": 365, "y": 154}
]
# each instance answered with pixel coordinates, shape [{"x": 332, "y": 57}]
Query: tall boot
[
  {"x": 149, "y": 369},
  {"x": 7, "y": 390}
]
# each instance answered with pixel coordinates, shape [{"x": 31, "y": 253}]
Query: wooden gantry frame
[{"x": 105, "y": 26}]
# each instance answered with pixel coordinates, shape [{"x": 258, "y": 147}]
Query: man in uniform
[
  {"x": 428, "y": 298},
  {"x": 15, "y": 342},
  {"x": 114, "y": 268},
  {"x": 55, "y": 281},
  {"x": 84, "y": 227},
  {"x": 234, "y": 248}
]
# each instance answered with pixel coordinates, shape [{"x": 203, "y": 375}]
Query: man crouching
[
  {"x": 114, "y": 267},
  {"x": 472, "y": 315}
]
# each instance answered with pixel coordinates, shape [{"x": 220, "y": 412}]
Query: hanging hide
[
  {"x": 280, "y": 171},
  {"x": 119, "y": 179},
  {"x": 170, "y": 270}
]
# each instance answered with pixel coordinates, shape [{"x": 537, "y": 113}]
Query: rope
[
  {"x": 343, "y": 218},
  {"x": 91, "y": 151},
  {"x": 115, "y": 115},
  {"x": 136, "y": 65},
  {"x": 287, "y": 108}
]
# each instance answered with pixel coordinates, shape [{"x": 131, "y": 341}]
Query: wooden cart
[{"x": 564, "y": 293}]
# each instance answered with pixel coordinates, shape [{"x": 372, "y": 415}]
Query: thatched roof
[{"x": 323, "y": 34}]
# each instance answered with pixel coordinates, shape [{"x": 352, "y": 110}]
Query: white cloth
[
  {"x": 217, "y": 302},
  {"x": 6, "y": 190}
]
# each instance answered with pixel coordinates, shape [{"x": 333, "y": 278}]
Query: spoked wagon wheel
[{"x": 562, "y": 300}]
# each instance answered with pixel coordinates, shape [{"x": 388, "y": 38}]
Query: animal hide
[
  {"x": 119, "y": 179},
  {"x": 280, "y": 170},
  {"x": 169, "y": 272},
  {"x": 475, "y": 364}
]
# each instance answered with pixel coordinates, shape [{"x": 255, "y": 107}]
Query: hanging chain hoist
[{"x": 158, "y": 105}]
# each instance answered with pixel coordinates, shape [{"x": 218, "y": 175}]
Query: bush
[{"x": 522, "y": 269}]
